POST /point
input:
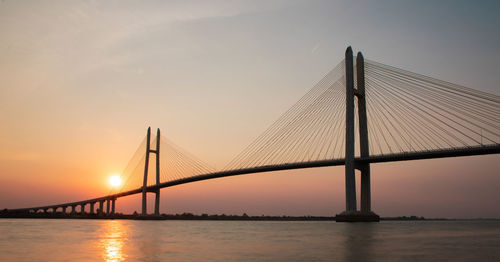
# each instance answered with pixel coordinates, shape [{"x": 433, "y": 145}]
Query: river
[{"x": 129, "y": 240}]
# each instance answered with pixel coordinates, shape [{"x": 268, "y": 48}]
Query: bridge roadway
[{"x": 466, "y": 151}]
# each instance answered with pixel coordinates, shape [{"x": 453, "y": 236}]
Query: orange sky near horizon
[{"x": 81, "y": 81}]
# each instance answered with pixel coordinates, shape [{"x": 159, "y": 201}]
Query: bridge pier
[
  {"x": 113, "y": 206},
  {"x": 363, "y": 136},
  {"x": 157, "y": 193},
  {"x": 101, "y": 207},
  {"x": 92, "y": 204},
  {"x": 64, "y": 209},
  {"x": 350, "y": 178},
  {"x": 82, "y": 209},
  {"x": 108, "y": 206},
  {"x": 352, "y": 214},
  {"x": 145, "y": 181},
  {"x": 157, "y": 202},
  {"x": 146, "y": 166}
]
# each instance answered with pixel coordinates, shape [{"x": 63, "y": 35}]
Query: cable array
[
  {"x": 175, "y": 163},
  {"x": 312, "y": 129},
  {"x": 406, "y": 112},
  {"x": 134, "y": 171}
]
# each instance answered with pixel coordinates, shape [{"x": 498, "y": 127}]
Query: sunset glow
[
  {"x": 81, "y": 81},
  {"x": 246, "y": 130},
  {"x": 115, "y": 181}
]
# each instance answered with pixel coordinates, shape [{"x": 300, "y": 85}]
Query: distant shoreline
[{"x": 223, "y": 217}]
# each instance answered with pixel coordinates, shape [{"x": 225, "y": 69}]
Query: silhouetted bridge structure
[{"x": 400, "y": 116}]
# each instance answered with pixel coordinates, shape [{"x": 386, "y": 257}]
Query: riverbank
[{"x": 189, "y": 216}]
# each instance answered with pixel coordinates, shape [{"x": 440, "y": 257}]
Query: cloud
[
  {"x": 315, "y": 48},
  {"x": 77, "y": 37}
]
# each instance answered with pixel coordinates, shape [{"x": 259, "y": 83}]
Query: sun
[{"x": 115, "y": 181}]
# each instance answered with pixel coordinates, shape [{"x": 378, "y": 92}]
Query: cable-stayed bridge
[{"x": 360, "y": 113}]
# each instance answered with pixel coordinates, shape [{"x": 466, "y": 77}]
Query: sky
[{"x": 80, "y": 82}]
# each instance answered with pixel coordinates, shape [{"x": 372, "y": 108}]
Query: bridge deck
[{"x": 466, "y": 151}]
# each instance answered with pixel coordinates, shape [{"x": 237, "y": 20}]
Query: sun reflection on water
[{"x": 113, "y": 236}]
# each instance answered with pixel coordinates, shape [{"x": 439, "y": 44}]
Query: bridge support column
[
  {"x": 145, "y": 181},
  {"x": 157, "y": 193},
  {"x": 92, "y": 204},
  {"x": 146, "y": 166},
  {"x": 157, "y": 202},
  {"x": 101, "y": 207},
  {"x": 352, "y": 214},
  {"x": 350, "y": 179},
  {"x": 108, "y": 206},
  {"x": 363, "y": 139},
  {"x": 82, "y": 209},
  {"x": 113, "y": 206},
  {"x": 64, "y": 209}
]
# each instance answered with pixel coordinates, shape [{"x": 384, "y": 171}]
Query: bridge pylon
[
  {"x": 352, "y": 214},
  {"x": 157, "y": 173}
]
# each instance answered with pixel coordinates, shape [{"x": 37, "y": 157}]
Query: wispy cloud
[
  {"x": 85, "y": 35},
  {"x": 315, "y": 48}
]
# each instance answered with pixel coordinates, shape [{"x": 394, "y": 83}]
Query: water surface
[{"x": 127, "y": 240}]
